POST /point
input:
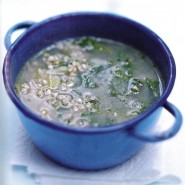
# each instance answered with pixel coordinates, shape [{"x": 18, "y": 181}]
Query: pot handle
[
  {"x": 165, "y": 134},
  {"x": 10, "y": 32}
]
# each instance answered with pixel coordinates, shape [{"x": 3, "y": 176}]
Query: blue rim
[{"x": 92, "y": 130}]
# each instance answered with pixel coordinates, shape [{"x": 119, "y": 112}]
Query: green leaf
[
  {"x": 62, "y": 63},
  {"x": 119, "y": 73},
  {"x": 88, "y": 78},
  {"x": 97, "y": 69},
  {"x": 127, "y": 64},
  {"x": 154, "y": 86},
  {"x": 88, "y": 82},
  {"x": 135, "y": 85},
  {"x": 89, "y": 43},
  {"x": 17, "y": 87},
  {"x": 113, "y": 91}
]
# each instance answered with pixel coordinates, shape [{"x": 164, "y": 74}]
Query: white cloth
[{"x": 144, "y": 167}]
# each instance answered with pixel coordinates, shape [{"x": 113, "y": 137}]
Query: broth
[{"x": 89, "y": 81}]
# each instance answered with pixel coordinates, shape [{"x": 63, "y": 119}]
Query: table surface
[{"x": 165, "y": 17}]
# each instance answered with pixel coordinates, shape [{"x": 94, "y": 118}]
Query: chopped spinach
[
  {"x": 88, "y": 82},
  {"x": 126, "y": 67},
  {"x": 87, "y": 113},
  {"x": 135, "y": 85},
  {"x": 17, "y": 87},
  {"x": 113, "y": 62},
  {"x": 119, "y": 73},
  {"x": 154, "y": 86},
  {"x": 97, "y": 69},
  {"x": 62, "y": 63},
  {"x": 94, "y": 101},
  {"x": 89, "y": 43},
  {"x": 127, "y": 63},
  {"x": 113, "y": 91},
  {"x": 88, "y": 78}
]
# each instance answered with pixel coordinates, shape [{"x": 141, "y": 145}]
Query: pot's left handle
[{"x": 8, "y": 36}]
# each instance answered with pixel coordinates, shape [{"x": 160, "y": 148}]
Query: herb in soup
[{"x": 89, "y": 81}]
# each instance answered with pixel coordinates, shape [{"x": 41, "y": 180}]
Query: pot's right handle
[
  {"x": 163, "y": 135},
  {"x": 8, "y": 36}
]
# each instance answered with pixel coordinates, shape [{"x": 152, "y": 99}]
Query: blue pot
[{"x": 91, "y": 148}]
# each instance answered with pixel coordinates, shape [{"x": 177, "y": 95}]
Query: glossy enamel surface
[{"x": 90, "y": 148}]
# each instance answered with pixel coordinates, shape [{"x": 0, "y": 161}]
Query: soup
[{"x": 89, "y": 81}]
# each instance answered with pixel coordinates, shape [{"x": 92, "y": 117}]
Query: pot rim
[{"x": 88, "y": 130}]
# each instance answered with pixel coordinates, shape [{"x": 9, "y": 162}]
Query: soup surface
[{"x": 89, "y": 81}]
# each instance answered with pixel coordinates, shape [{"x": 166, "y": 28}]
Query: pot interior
[{"x": 100, "y": 25}]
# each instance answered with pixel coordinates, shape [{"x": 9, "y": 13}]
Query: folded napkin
[{"x": 144, "y": 168}]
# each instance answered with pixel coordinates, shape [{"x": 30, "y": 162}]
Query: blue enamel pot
[{"x": 91, "y": 148}]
